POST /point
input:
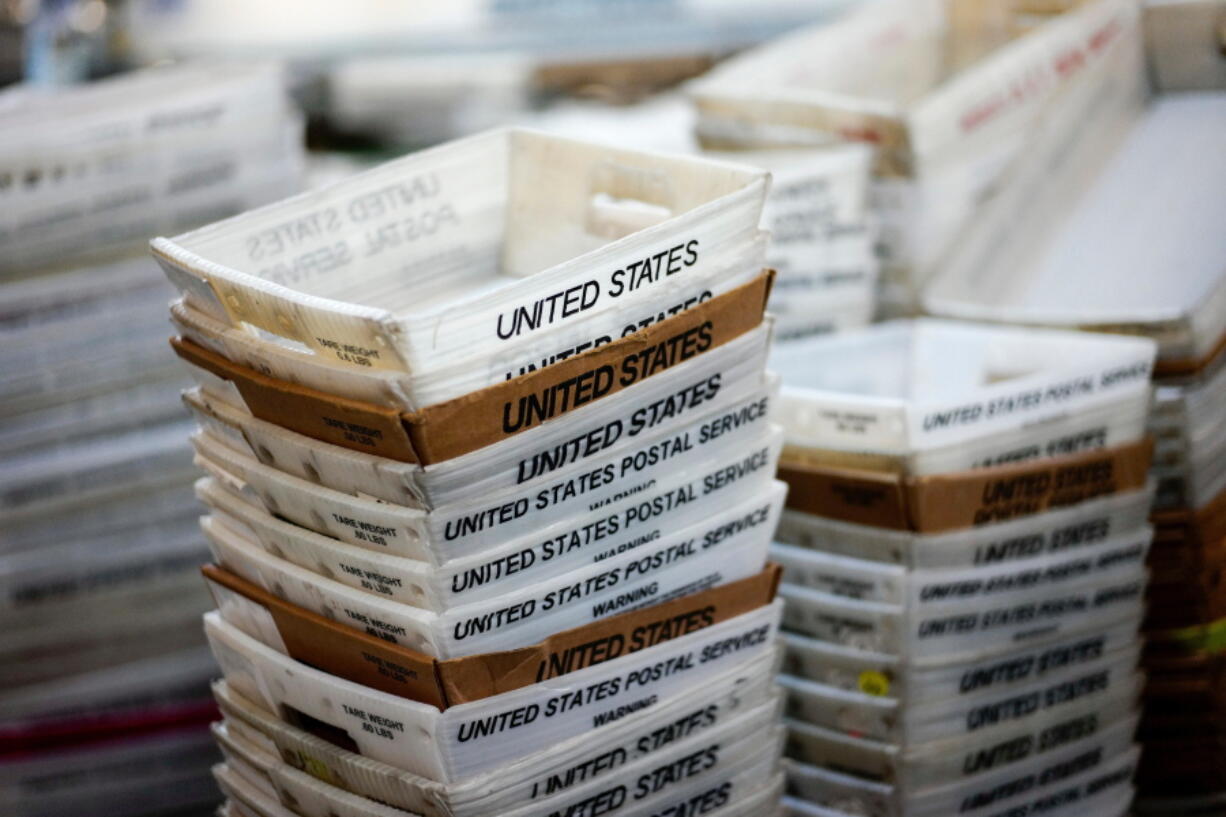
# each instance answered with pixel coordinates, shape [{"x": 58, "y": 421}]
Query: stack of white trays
[
  {"x": 1133, "y": 246},
  {"x": 946, "y": 92},
  {"x": 490, "y": 470},
  {"x": 104, "y": 673},
  {"x": 964, "y": 568}
]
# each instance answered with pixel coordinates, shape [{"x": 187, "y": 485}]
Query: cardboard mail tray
[
  {"x": 366, "y": 659},
  {"x": 967, "y": 499},
  {"x": 467, "y": 423}
]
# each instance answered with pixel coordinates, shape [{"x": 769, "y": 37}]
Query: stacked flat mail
[
  {"x": 104, "y": 697},
  {"x": 490, "y": 479},
  {"x": 1138, "y": 249},
  {"x": 817, "y": 211},
  {"x": 946, "y": 91},
  {"x": 964, "y": 556}
]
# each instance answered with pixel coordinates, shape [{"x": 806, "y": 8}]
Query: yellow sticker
[
  {"x": 873, "y": 682},
  {"x": 1209, "y": 637},
  {"x": 314, "y": 767}
]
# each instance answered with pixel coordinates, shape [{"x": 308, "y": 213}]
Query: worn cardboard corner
[
  {"x": 339, "y": 650},
  {"x": 771, "y": 275},
  {"x": 776, "y": 574},
  {"x": 365, "y": 659},
  {"x": 351, "y": 424},
  {"x": 964, "y": 499},
  {"x": 864, "y": 497},
  {"x": 495, "y": 413}
]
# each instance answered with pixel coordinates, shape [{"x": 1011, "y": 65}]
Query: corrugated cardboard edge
[
  {"x": 864, "y": 497},
  {"x": 365, "y": 659},
  {"x": 472, "y": 421},
  {"x": 482, "y": 676},
  {"x": 475, "y": 420},
  {"x": 951, "y": 501}
]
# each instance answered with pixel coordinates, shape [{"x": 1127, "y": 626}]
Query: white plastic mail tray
[
  {"x": 1141, "y": 251},
  {"x": 946, "y": 92},
  {"x": 1056, "y": 531},
  {"x": 911, "y": 390},
  {"x": 509, "y": 240},
  {"x": 89, "y": 170},
  {"x": 470, "y": 739},
  {"x": 732, "y": 703}
]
